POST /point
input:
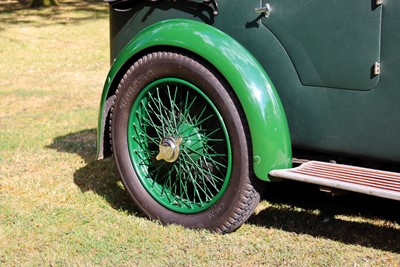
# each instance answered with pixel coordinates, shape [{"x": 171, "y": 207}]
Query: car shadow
[
  {"x": 291, "y": 206},
  {"x": 98, "y": 176},
  {"x": 350, "y": 218}
]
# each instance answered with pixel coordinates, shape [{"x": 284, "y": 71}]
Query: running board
[{"x": 362, "y": 180}]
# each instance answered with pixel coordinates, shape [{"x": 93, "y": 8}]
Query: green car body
[{"x": 320, "y": 77}]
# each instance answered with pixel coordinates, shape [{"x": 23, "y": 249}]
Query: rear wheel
[{"x": 180, "y": 144}]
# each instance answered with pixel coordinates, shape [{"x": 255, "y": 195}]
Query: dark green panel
[{"x": 331, "y": 43}]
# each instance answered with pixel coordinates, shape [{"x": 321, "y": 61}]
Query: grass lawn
[{"x": 61, "y": 207}]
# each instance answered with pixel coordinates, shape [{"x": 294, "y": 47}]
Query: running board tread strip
[{"x": 362, "y": 180}]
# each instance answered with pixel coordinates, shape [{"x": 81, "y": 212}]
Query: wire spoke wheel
[
  {"x": 180, "y": 143},
  {"x": 179, "y": 146}
]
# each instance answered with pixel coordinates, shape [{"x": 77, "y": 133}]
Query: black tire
[{"x": 175, "y": 103}]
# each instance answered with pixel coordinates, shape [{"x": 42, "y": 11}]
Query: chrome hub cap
[{"x": 169, "y": 149}]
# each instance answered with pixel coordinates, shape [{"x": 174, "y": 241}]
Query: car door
[{"x": 331, "y": 43}]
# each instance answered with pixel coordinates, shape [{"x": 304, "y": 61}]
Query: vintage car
[{"x": 207, "y": 101}]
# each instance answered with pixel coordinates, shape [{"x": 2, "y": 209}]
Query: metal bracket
[
  {"x": 213, "y": 4},
  {"x": 265, "y": 11},
  {"x": 377, "y": 68}
]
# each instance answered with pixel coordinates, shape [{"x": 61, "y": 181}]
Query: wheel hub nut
[{"x": 169, "y": 149}]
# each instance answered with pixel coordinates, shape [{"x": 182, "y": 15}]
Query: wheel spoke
[
  {"x": 149, "y": 122},
  {"x": 172, "y": 100},
  {"x": 203, "y": 120},
  {"x": 202, "y": 172}
]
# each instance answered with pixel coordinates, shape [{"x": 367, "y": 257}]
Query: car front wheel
[{"x": 180, "y": 143}]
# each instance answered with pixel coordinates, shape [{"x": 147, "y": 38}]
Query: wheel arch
[{"x": 270, "y": 139}]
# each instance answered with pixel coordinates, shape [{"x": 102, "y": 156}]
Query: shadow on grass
[
  {"x": 69, "y": 11},
  {"x": 302, "y": 209},
  {"x": 293, "y": 208},
  {"x": 102, "y": 176}
]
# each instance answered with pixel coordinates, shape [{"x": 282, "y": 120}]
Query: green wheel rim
[{"x": 179, "y": 146}]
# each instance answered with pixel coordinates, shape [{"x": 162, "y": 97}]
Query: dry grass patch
[{"x": 61, "y": 207}]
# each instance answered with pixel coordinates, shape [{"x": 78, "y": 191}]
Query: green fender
[{"x": 266, "y": 118}]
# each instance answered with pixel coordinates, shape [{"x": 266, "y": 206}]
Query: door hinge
[{"x": 377, "y": 68}]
